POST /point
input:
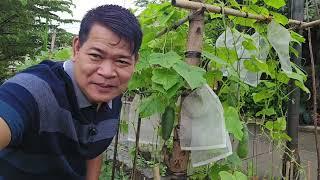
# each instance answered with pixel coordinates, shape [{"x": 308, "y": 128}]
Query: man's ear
[{"x": 75, "y": 46}]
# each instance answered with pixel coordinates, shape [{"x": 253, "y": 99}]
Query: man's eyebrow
[
  {"x": 97, "y": 49},
  {"x": 124, "y": 56}
]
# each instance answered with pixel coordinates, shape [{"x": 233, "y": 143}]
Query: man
[{"x": 57, "y": 118}]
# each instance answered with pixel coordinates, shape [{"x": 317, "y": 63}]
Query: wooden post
[
  {"x": 296, "y": 12},
  {"x": 178, "y": 161}
]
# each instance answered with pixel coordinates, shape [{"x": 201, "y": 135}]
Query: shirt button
[{"x": 93, "y": 131}]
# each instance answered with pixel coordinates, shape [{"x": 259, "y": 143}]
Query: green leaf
[
  {"x": 279, "y": 125},
  {"x": 165, "y": 60},
  {"x": 283, "y": 78},
  {"x": 302, "y": 86},
  {"x": 269, "y": 84},
  {"x": 249, "y": 44},
  {"x": 216, "y": 168},
  {"x": 151, "y": 105},
  {"x": 279, "y": 37},
  {"x": 224, "y": 175},
  {"x": 213, "y": 16},
  {"x": 174, "y": 90},
  {"x": 267, "y": 112},
  {"x": 279, "y": 18},
  {"x": 240, "y": 176},
  {"x": 192, "y": 74},
  {"x": 140, "y": 80},
  {"x": 262, "y": 95},
  {"x": 213, "y": 76},
  {"x": 24, "y": 2},
  {"x": 294, "y": 51},
  {"x": 234, "y": 4},
  {"x": 242, "y": 21},
  {"x": 142, "y": 64},
  {"x": 255, "y": 9},
  {"x": 228, "y": 55},
  {"x": 297, "y": 37},
  {"x": 233, "y": 123},
  {"x": 234, "y": 161},
  {"x": 166, "y": 77},
  {"x": 165, "y": 18},
  {"x": 214, "y": 58},
  {"x": 275, "y": 3}
]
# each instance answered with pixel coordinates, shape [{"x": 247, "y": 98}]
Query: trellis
[{"x": 193, "y": 54}]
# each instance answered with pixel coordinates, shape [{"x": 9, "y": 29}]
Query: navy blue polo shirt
[{"x": 54, "y": 128}]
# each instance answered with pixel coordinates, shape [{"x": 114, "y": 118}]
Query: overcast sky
[{"x": 82, "y": 6}]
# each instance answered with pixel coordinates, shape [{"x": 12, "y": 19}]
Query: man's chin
[{"x": 103, "y": 98}]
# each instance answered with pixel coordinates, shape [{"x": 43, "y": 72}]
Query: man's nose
[{"x": 107, "y": 69}]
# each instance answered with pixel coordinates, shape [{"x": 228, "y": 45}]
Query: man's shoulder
[
  {"x": 45, "y": 72},
  {"x": 40, "y": 80}
]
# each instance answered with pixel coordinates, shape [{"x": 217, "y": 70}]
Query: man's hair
[{"x": 118, "y": 19}]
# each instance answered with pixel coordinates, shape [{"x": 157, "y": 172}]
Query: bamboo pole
[{"x": 229, "y": 11}]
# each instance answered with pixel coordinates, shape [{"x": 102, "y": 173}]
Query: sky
[{"x": 82, "y": 6}]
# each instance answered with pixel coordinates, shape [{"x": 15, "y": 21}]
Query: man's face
[{"x": 103, "y": 65}]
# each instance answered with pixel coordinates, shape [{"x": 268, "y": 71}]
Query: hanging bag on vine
[{"x": 202, "y": 125}]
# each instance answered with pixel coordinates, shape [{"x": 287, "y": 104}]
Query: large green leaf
[
  {"x": 140, "y": 80},
  {"x": 280, "y": 18},
  {"x": 233, "y": 123},
  {"x": 224, "y": 175},
  {"x": 214, "y": 58},
  {"x": 166, "y": 77},
  {"x": 266, "y": 111},
  {"x": 192, "y": 74},
  {"x": 279, "y": 37},
  {"x": 262, "y": 95},
  {"x": 151, "y": 105},
  {"x": 165, "y": 60},
  {"x": 240, "y": 176},
  {"x": 275, "y": 3}
]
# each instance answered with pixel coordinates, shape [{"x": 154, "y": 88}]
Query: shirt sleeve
[{"x": 18, "y": 108}]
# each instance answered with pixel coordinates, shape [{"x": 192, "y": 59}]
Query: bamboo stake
[
  {"x": 291, "y": 170},
  {"x": 287, "y": 170},
  {"x": 229, "y": 11},
  {"x": 115, "y": 153}
]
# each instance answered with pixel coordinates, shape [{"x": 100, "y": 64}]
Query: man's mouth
[{"x": 105, "y": 87}]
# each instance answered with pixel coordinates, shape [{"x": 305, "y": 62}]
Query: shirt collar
[{"x": 83, "y": 102}]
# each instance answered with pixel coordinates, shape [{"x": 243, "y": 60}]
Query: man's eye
[
  {"x": 122, "y": 61},
  {"x": 95, "y": 56}
]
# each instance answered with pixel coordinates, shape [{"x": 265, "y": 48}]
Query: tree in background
[{"x": 25, "y": 27}]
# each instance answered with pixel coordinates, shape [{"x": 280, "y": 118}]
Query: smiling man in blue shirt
[{"x": 57, "y": 118}]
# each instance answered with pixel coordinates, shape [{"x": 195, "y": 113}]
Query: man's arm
[
  {"x": 5, "y": 134},
  {"x": 94, "y": 168}
]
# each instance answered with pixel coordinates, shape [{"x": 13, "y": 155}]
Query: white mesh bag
[
  {"x": 202, "y": 125},
  {"x": 203, "y": 157},
  {"x": 149, "y": 126},
  {"x": 232, "y": 39}
]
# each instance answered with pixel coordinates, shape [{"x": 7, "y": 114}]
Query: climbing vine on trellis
[{"x": 245, "y": 61}]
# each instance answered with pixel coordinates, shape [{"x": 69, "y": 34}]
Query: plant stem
[
  {"x": 115, "y": 153},
  {"x": 136, "y": 150}
]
